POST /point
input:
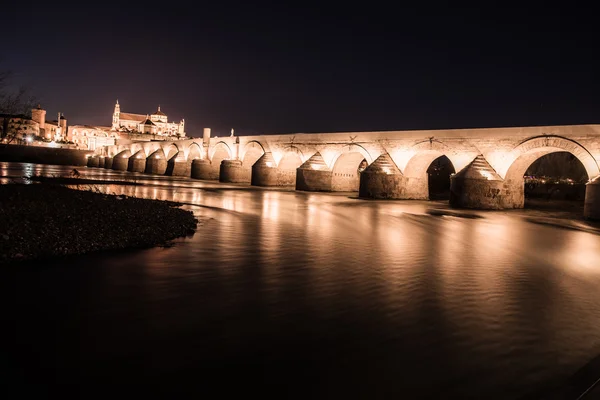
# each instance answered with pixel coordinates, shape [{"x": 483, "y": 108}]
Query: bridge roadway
[{"x": 490, "y": 162}]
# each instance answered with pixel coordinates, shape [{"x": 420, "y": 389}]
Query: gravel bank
[{"x": 39, "y": 221}]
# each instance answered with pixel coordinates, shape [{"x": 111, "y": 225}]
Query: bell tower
[
  {"x": 181, "y": 128},
  {"x": 116, "y": 117}
]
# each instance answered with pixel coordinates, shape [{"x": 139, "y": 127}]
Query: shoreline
[{"x": 41, "y": 222}]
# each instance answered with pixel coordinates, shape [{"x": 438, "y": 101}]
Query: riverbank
[{"x": 40, "y": 221}]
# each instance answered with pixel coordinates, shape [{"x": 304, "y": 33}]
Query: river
[{"x": 306, "y": 295}]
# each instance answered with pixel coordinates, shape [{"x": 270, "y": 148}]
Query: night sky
[{"x": 272, "y": 68}]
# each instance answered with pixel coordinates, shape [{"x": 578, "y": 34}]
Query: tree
[{"x": 16, "y": 103}]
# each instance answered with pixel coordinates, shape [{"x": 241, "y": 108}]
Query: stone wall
[{"x": 43, "y": 155}]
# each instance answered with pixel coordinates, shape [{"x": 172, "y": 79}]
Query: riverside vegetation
[{"x": 40, "y": 221}]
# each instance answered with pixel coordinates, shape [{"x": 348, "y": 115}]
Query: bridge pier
[
  {"x": 101, "y": 162},
  {"x": 314, "y": 175},
  {"x": 136, "y": 164},
  {"x": 155, "y": 165},
  {"x": 382, "y": 180},
  {"x": 513, "y": 195},
  {"x": 591, "y": 208},
  {"x": 93, "y": 162},
  {"x": 120, "y": 163},
  {"x": 477, "y": 186},
  {"x": 264, "y": 171},
  {"x": 108, "y": 162},
  {"x": 202, "y": 169},
  {"x": 232, "y": 171},
  {"x": 178, "y": 166}
]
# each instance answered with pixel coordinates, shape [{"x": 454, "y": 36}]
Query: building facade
[
  {"x": 156, "y": 123},
  {"x": 91, "y": 137},
  {"x": 18, "y": 128}
]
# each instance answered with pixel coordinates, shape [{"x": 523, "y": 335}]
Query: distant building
[
  {"x": 16, "y": 128},
  {"x": 152, "y": 124},
  {"x": 90, "y": 137}
]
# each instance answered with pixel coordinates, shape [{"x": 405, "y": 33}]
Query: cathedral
[{"x": 153, "y": 124}]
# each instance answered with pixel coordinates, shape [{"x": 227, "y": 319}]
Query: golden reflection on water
[
  {"x": 498, "y": 297},
  {"x": 581, "y": 253},
  {"x": 270, "y": 206}
]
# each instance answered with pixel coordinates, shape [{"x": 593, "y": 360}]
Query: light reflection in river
[{"x": 322, "y": 293}]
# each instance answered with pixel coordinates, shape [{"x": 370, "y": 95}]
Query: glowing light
[
  {"x": 277, "y": 156},
  {"x": 486, "y": 174},
  {"x": 29, "y": 139},
  {"x": 157, "y": 156},
  {"x": 269, "y": 164},
  {"x": 401, "y": 157},
  {"x": 316, "y": 166}
]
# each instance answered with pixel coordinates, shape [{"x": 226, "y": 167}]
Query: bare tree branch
[{"x": 16, "y": 102}]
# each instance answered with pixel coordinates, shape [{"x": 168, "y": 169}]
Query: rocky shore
[{"x": 39, "y": 221}]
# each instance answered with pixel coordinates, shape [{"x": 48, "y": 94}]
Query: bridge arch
[
  {"x": 251, "y": 152},
  {"x": 126, "y": 153},
  {"x": 139, "y": 154},
  {"x": 428, "y": 166},
  {"x": 194, "y": 152},
  {"x": 158, "y": 154},
  {"x": 423, "y": 154},
  {"x": 346, "y": 166},
  {"x": 289, "y": 158},
  {"x": 350, "y": 151},
  {"x": 170, "y": 150},
  {"x": 137, "y": 148},
  {"x": 122, "y": 148},
  {"x": 152, "y": 147},
  {"x": 221, "y": 151},
  {"x": 528, "y": 151}
]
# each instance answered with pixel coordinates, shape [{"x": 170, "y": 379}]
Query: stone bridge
[{"x": 490, "y": 163}]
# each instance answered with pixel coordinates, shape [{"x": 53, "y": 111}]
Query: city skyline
[{"x": 268, "y": 70}]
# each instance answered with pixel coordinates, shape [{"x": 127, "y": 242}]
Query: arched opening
[
  {"x": 290, "y": 161},
  {"x": 345, "y": 176},
  {"x": 555, "y": 180},
  {"x": 428, "y": 173},
  {"x": 170, "y": 151},
  {"x": 252, "y": 152},
  {"x": 286, "y": 169},
  {"x": 552, "y": 168},
  {"x": 438, "y": 178},
  {"x": 194, "y": 152},
  {"x": 221, "y": 152}
]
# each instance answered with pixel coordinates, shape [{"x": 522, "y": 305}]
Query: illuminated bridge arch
[
  {"x": 523, "y": 155},
  {"x": 220, "y": 151}
]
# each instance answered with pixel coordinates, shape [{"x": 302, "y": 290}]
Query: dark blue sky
[{"x": 278, "y": 68}]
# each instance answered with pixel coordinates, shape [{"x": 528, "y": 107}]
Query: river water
[{"x": 306, "y": 295}]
